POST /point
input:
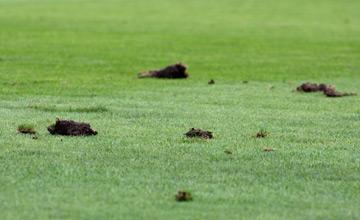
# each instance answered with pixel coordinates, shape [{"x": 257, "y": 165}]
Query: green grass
[{"x": 79, "y": 59}]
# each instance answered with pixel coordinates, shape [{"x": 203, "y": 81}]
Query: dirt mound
[
  {"x": 194, "y": 132},
  {"x": 176, "y": 71},
  {"x": 211, "y": 82},
  {"x": 183, "y": 196},
  {"x": 71, "y": 128},
  {"x": 312, "y": 87}
]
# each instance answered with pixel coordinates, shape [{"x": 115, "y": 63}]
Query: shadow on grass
[{"x": 92, "y": 109}]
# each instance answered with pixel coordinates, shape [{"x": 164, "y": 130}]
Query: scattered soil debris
[
  {"x": 268, "y": 149},
  {"x": 176, "y": 71},
  {"x": 211, "y": 82},
  {"x": 195, "y": 132},
  {"x": 228, "y": 151},
  {"x": 312, "y": 87},
  {"x": 262, "y": 134},
  {"x": 183, "y": 196},
  {"x": 331, "y": 92},
  {"x": 71, "y": 128},
  {"x": 328, "y": 90},
  {"x": 35, "y": 137},
  {"x": 26, "y": 129}
]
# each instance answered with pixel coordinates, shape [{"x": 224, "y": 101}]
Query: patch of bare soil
[
  {"x": 195, "y": 132},
  {"x": 176, "y": 71},
  {"x": 183, "y": 196},
  {"x": 71, "y": 128}
]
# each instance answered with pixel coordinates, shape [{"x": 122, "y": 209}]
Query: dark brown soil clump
[
  {"x": 332, "y": 93},
  {"x": 176, "y": 71},
  {"x": 211, "y": 82},
  {"x": 71, "y": 128},
  {"x": 183, "y": 196},
  {"x": 194, "y": 132},
  {"x": 312, "y": 87},
  {"x": 328, "y": 90}
]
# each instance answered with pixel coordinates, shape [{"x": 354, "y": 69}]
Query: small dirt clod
[
  {"x": 176, "y": 71},
  {"x": 268, "y": 149},
  {"x": 211, "y": 82},
  {"x": 183, "y": 196},
  {"x": 195, "y": 132},
  {"x": 71, "y": 128}
]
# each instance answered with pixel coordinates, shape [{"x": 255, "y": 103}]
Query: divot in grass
[
  {"x": 176, "y": 71},
  {"x": 328, "y": 90},
  {"x": 312, "y": 87},
  {"x": 195, "y": 132},
  {"x": 332, "y": 93},
  {"x": 71, "y": 128},
  {"x": 183, "y": 196}
]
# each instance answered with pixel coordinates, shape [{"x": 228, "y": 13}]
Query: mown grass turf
[{"x": 79, "y": 60}]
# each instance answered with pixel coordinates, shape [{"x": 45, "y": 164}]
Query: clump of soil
[
  {"x": 176, "y": 71},
  {"x": 71, "y": 128},
  {"x": 183, "y": 196},
  {"x": 211, "y": 82},
  {"x": 262, "y": 134},
  {"x": 245, "y": 82},
  {"x": 268, "y": 149},
  {"x": 328, "y": 90},
  {"x": 195, "y": 132},
  {"x": 331, "y": 92},
  {"x": 312, "y": 87},
  {"x": 26, "y": 129}
]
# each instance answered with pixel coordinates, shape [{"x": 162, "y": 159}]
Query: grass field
[{"x": 79, "y": 59}]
